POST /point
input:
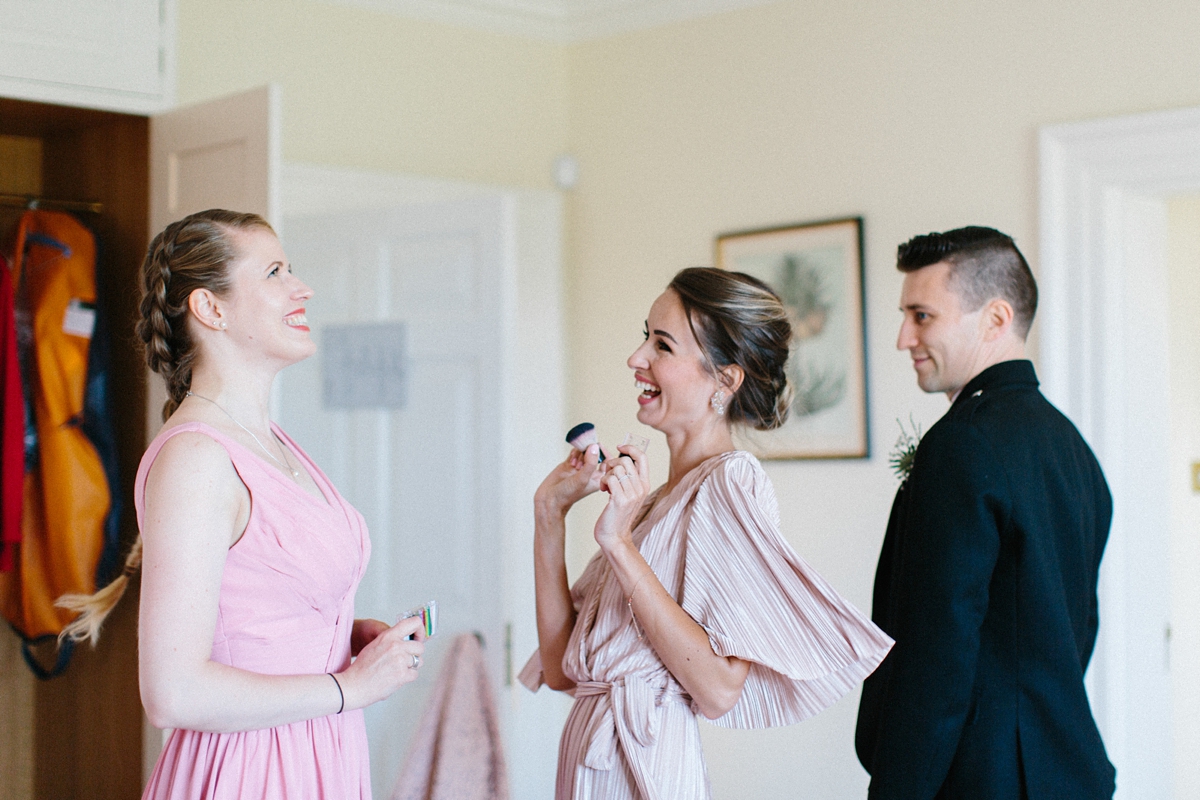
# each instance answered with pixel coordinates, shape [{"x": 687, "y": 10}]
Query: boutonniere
[{"x": 905, "y": 451}]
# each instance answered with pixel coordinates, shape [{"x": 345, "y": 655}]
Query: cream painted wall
[
  {"x": 1183, "y": 263},
  {"x": 920, "y": 116},
  {"x": 374, "y": 91}
]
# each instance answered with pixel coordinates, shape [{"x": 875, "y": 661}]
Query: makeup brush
[{"x": 582, "y": 436}]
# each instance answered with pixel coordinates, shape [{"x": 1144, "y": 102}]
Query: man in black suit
[{"x": 987, "y": 578}]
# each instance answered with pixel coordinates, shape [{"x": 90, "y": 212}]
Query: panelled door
[
  {"x": 219, "y": 154},
  {"x": 423, "y": 466}
]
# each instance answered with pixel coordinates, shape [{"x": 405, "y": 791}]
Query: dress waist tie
[{"x": 628, "y": 716}]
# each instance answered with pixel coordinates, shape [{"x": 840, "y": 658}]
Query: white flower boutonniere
[{"x": 905, "y": 450}]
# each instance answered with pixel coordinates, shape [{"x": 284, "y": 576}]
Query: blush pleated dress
[
  {"x": 714, "y": 544},
  {"x": 286, "y": 608}
]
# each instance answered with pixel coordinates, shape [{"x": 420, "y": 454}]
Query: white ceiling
[{"x": 555, "y": 20}]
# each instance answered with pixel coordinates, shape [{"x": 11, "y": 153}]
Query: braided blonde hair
[{"x": 192, "y": 253}]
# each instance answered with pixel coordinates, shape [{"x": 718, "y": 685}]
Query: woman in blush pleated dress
[
  {"x": 247, "y": 643},
  {"x": 695, "y": 604}
]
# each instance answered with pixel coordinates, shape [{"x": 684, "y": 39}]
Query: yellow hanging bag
[{"x": 66, "y": 493}]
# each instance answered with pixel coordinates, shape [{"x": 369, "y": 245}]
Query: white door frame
[{"x": 1103, "y": 317}]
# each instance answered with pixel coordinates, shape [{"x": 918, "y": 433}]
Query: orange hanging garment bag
[{"x": 66, "y": 493}]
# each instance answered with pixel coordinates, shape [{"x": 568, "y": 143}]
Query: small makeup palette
[{"x": 428, "y": 614}]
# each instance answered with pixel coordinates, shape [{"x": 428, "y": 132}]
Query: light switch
[{"x": 1196, "y": 476}]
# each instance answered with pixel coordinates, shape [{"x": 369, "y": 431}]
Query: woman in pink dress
[
  {"x": 248, "y": 646},
  {"x": 695, "y": 604}
]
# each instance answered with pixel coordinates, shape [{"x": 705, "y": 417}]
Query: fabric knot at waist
[{"x": 626, "y": 712}]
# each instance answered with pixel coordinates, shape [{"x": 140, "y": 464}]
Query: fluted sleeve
[{"x": 759, "y": 601}]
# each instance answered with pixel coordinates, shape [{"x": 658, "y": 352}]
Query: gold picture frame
[{"x": 817, "y": 270}]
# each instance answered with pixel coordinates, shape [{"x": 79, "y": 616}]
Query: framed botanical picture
[{"x": 817, "y": 269}]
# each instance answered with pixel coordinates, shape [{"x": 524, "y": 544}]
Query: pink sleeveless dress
[{"x": 286, "y": 608}]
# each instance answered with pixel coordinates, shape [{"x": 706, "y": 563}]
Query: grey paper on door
[{"x": 364, "y": 365}]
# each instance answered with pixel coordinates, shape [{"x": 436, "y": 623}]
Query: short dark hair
[
  {"x": 737, "y": 319},
  {"x": 984, "y": 264}
]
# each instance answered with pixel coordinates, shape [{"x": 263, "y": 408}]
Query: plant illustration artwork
[{"x": 817, "y": 271}]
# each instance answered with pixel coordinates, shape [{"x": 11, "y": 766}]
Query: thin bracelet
[{"x": 340, "y": 694}]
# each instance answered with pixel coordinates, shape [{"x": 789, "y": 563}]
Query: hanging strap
[{"x": 65, "y": 649}]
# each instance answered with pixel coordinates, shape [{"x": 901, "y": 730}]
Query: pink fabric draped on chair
[{"x": 456, "y": 752}]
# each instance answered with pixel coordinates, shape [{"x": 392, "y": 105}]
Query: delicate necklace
[{"x": 287, "y": 466}]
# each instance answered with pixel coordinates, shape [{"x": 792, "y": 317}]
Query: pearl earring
[
  {"x": 223, "y": 325},
  {"x": 718, "y": 403}
]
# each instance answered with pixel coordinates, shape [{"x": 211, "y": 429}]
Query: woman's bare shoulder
[{"x": 193, "y": 458}]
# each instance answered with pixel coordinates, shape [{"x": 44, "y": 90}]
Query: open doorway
[
  {"x": 79, "y": 734},
  {"x": 1183, "y": 342},
  {"x": 1118, "y": 258}
]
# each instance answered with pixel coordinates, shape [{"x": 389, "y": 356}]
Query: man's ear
[
  {"x": 206, "y": 308},
  {"x": 997, "y": 319},
  {"x": 731, "y": 378}
]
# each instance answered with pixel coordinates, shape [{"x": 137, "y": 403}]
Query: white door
[
  {"x": 220, "y": 154},
  {"x": 423, "y": 466}
]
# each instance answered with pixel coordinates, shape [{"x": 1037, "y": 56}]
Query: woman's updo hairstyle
[
  {"x": 193, "y": 253},
  {"x": 737, "y": 319}
]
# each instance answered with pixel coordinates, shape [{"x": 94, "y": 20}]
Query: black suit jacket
[{"x": 987, "y": 582}]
